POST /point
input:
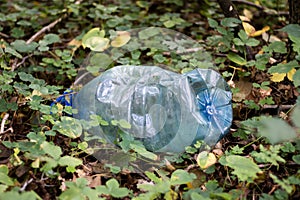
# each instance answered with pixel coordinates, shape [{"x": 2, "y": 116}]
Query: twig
[
  {"x": 26, "y": 184},
  {"x": 44, "y": 29},
  {"x": 3, "y": 122},
  {"x": 4, "y": 35},
  {"x": 16, "y": 65}
]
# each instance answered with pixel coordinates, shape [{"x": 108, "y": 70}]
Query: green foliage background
[{"x": 42, "y": 156}]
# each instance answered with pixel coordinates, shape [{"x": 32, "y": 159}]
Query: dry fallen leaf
[
  {"x": 277, "y": 77},
  {"x": 249, "y": 29},
  {"x": 244, "y": 87},
  {"x": 260, "y": 32},
  {"x": 75, "y": 44},
  {"x": 205, "y": 159},
  {"x": 122, "y": 39}
]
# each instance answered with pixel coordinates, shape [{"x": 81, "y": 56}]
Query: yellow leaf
[
  {"x": 249, "y": 29},
  {"x": 205, "y": 159},
  {"x": 260, "y": 32},
  {"x": 291, "y": 73},
  {"x": 248, "y": 14},
  {"x": 276, "y": 77},
  {"x": 75, "y": 44},
  {"x": 59, "y": 107},
  {"x": 36, "y": 92},
  {"x": 122, "y": 38}
]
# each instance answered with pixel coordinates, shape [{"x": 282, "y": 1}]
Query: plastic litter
[{"x": 167, "y": 111}]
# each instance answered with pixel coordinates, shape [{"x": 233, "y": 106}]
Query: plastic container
[{"x": 167, "y": 111}]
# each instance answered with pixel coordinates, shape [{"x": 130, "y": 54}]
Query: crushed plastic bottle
[{"x": 167, "y": 111}]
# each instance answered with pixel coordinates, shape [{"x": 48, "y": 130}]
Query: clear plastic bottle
[{"x": 167, "y": 111}]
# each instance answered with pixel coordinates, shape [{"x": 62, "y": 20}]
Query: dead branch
[{"x": 44, "y": 29}]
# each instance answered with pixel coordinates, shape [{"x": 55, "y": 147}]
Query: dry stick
[
  {"x": 44, "y": 29},
  {"x": 15, "y": 65},
  {"x": 3, "y": 122}
]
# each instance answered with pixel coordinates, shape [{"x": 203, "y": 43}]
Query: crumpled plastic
[{"x": 167, "y": 111}]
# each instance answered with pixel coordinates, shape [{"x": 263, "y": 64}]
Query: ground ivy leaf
[
  {"x": 51, "y": 38},
  {"x": 283, "y": 67},
  {"x": 296, "y": 115},
  {"x": 114, "y": 189},
  {"x": 68, "y": 126},
  {"x": 22, "y": 46},
  {"x": 244, "y": 168},
  {"x": 51, "y": 149},
  {"x": 124, "y": 124},
  {"x": 12, "y": 52},
  {"x": 142, "y": 151},
  {"x": 181, "y": 176},
  {"x": 296, "y": 78},
  {"x": 292, "y": 29},
  {"x": 98, "y": 62},
  {"x": 4, "y": 178},
  {"x": 69, "y": 161},
  {"x": 276, "y": 130}
]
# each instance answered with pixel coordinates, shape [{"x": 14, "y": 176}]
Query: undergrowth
[{"x": 43, "y": 46}]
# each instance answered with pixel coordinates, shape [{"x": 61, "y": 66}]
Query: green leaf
[
  {"x": 50, "y": 39},
  {"x": 243, "y": 35},
  {"x": 93, "y": 33},
  {"x": 4, "y": 178},
  {"x": 74, "y": 191},
  {"x": 238, "y": 41},
  {"x": 296, "y": 115},
  {"x": 230, "y": 22},
  {"x": 244, "y": 168},
  {"x": 292, "y": 29},
  {"x": 124, "y": 124},
  {"x": 22, "y": 46},
  {"x": 276, "y": 130},
  {"x": 99, "y": 62},
  {"x": 181, "y": 176},
  {"x": 69, "y": 161},
  {"x": 277, "y": 47},
  {"x": 268, "y": 155},
  {"x": 169, "y": 23},
  {"x": 12, "y": 52},
  {"x": 197, "y": 196},
  {"x": 115, "y": 191},
  {"x": 147, "y": 33},
  {"x": 296, "y": 158},
  {"x": 153, "y": 177},
  {"x": 68, "y": 126},
  {"x": 15, "y": 194},
  {"x": 283, "y": 67},
  {"x": 142, "y": 151},
  {"x": 51, "y": 149},
  {"x": 236, "y": 59},
  {"x": 296, "y": 78},
  {"x": 212, "y": 23},
  {"x": 252, "y": 42},
  {"x": 283, "y": 183},
  {"x": 26, "y": 77}
]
